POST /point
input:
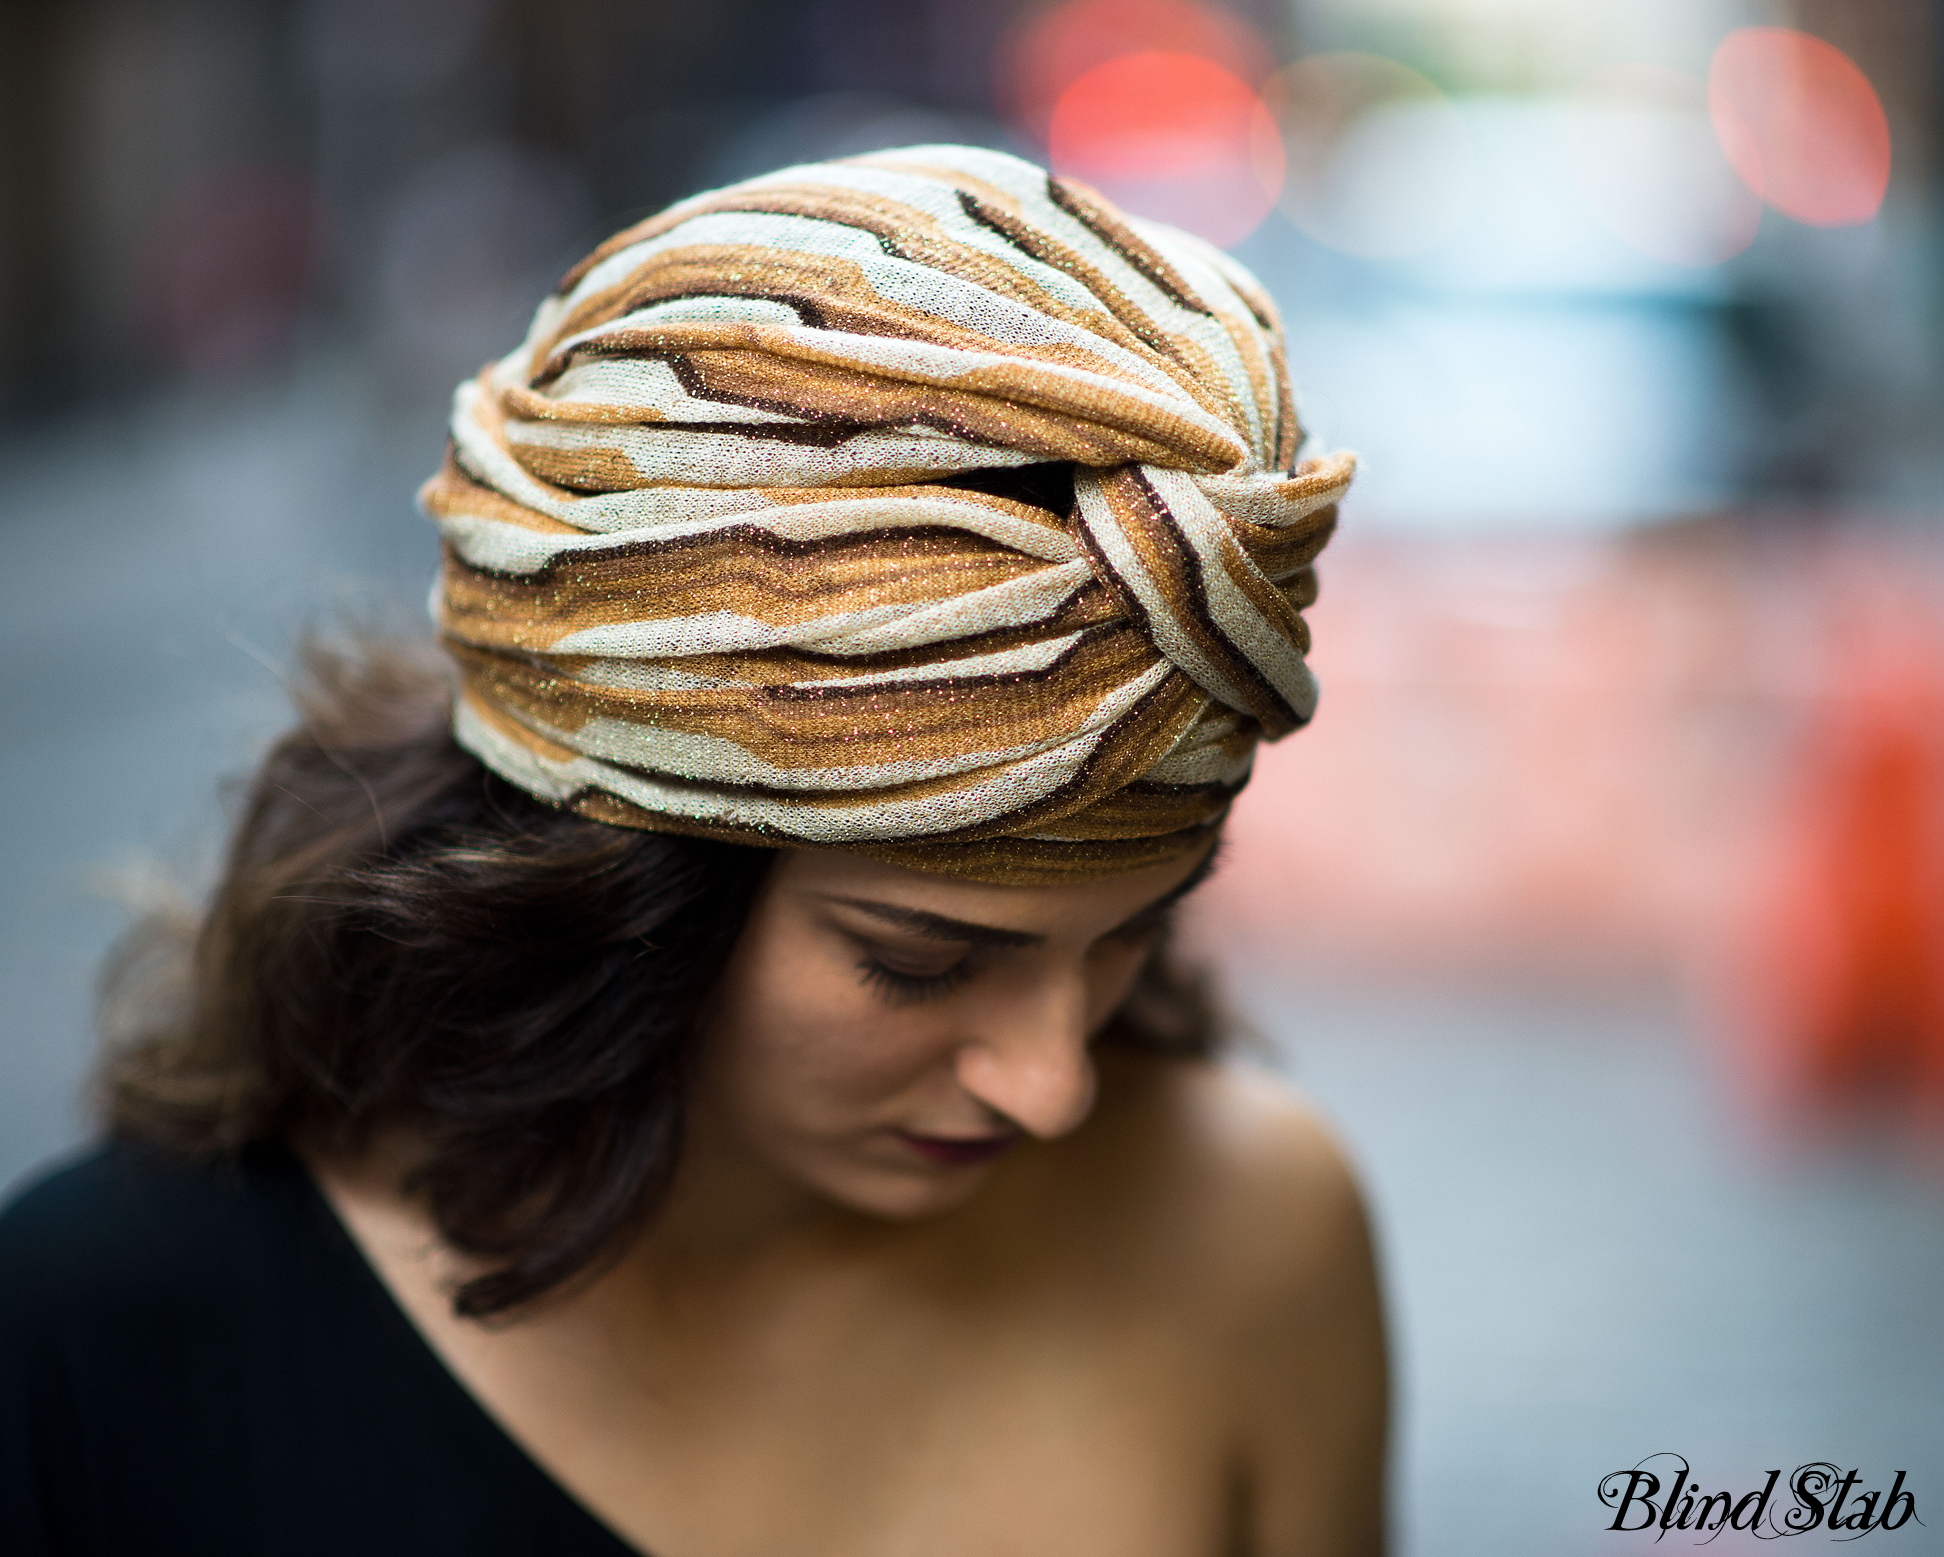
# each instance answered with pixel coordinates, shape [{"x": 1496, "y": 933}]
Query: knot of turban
[{"x": 919, "y": 504}]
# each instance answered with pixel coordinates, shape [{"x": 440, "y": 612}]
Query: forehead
[{"x": 1087, "y": 907}]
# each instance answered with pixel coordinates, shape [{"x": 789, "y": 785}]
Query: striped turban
[{"x": 918, "y": 504}]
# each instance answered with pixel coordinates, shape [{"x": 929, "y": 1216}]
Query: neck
[{"x": 728, "y": 1212}]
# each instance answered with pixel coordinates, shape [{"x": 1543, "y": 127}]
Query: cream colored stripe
[
  {"x": 1091, "y": 396},
  {"x": 1009, "y": 788},
  {"x": 1023, "y": 602},
  {"x": 926, "y": 291},
  {"x": 940, "y": 202},
  {"x": 507, "y": 548},
  {"x": 737, "y": 460},
  {"x": 1282, "y": 500},
  {"x": 1215, "y": 749},
  {"x": 1020, "y": 602},
  {"x": 645, "y": 386},
  {"x": 660, "y": 676},
  {"x": 476, "y": 426},
  {"x": 1027, "y": 185},
  {"x": 1189, "y": 258},
  {"x": 696, "y": 756},
  {"x": 921, "y": 289},
  {"x": 1024, "y": 660},
  {"x": 1231, "y": 611},
  {"x": 1104, "y": 525}
]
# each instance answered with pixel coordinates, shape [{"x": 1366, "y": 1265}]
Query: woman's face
[{"x": 883, "y": 1035}]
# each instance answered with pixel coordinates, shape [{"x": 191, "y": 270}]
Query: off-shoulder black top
[{"x": 196, "y": 1359}]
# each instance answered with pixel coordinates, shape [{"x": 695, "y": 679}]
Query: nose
[{"x": 1030, "y": 1061}]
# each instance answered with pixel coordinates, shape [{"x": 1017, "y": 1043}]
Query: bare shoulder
[
  {"x": 1228, "y": 1162},
  {"x": 1244, "y": 1220}
]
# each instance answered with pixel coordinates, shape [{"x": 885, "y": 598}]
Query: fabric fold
[{"x": 751, "y": 537}]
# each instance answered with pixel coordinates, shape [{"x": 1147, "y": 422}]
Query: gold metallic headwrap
[{"x": 725, "y": 551}]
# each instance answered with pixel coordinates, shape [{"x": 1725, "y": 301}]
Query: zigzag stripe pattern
[{"x": 920, "y": 504}]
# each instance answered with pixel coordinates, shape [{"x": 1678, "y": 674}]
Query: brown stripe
[
  {"x": 1031, "y": 862},
  {"x": 1126, "y": 750},
  {"x": 1156, "y": 539},
  {"x": 1001, "y": 407},
  {"x": 1026, "y": 862},
  {"x": 1282, "y": 550},
  {"x": 790, "y": 727},
  {"x": 905, "y": 232},
  {"x": 826, "y": 291},
  {"x": 1085, "y": 205},
  {"x": 751, "y": 572},
  {"x": 1273, "y": 605},
  {"x": 1146, "y": 810},
  {"x": 843, "y": 298},
  {"x": 452, "y": 491},
  {"x": 1181, "y": 358},
  {"x": 1289, "y": 426}
]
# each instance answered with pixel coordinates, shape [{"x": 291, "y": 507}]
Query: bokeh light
[
  {"x": 1171, "y": 136},
  {"x": 1051, "y": 50},
  {"x": 1650, "y": 165},
  {"x": 1801, "y": 124},
  {"x": 1379, "y": 162}
]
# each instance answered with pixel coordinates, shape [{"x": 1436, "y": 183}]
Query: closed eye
[{"x": 904, "y": 989}]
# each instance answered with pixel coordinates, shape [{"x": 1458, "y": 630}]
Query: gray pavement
[{"x": 1592, "y": 1256}]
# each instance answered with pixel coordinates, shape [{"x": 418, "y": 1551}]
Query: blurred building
[
  {"x": 207, "y": 187},
  {"x": 192, "y": 185}
]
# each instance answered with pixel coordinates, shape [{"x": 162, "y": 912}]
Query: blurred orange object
[
  {"x": 1845, "y": 955},
  {"x": 1706, "y": 758},
  {"x": 1534, "y": 760}
]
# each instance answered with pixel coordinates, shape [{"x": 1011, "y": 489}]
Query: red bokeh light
[
  {"x": 1174, "y": 137},
  {"x": 1801, "y": 124},
  {"x": 1050, "y": 51}
]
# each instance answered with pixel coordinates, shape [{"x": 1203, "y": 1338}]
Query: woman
[{"x": 714, "y": 1085}]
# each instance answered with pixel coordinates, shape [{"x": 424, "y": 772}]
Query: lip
[{"x": 958, "y": 1151}]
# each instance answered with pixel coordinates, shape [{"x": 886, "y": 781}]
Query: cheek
[{"x": 803, "y": 1045}]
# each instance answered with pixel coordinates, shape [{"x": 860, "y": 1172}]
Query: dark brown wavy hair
[{"x": 399, "y": 938}]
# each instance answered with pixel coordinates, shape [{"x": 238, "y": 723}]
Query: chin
[{"x": 904, "y": 1197}]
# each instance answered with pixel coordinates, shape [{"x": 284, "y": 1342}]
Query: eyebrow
[
  {"x": 937, "y": 927},
  {"x": 940, "y": 927}
]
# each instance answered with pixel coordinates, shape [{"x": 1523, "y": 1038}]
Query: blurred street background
[{"x": 1603, "y": 905}]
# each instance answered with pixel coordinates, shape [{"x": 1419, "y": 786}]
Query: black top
[{"x": 198, "y": 1360}]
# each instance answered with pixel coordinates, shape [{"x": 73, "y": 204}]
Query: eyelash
[{"x": 904, "y": 989}]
